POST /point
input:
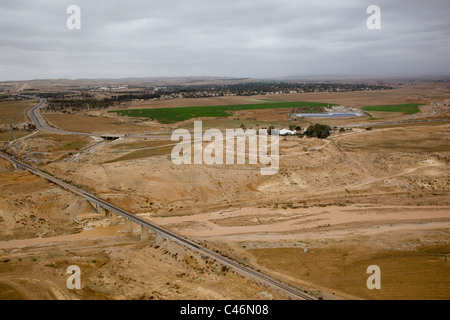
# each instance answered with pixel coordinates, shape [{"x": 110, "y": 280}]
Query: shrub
[{"x": 320, "y": 131}]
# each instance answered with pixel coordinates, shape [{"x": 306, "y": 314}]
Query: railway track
[{"x": 241, "y": 269}]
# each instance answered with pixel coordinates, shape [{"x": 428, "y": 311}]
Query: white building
[{"x": 284, "y": 132}]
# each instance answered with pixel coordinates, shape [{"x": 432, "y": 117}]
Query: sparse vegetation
[{"x": 351, "y": 200}]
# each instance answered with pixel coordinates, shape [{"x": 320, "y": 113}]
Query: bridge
[
  {"x": 112, "y": 212},
  {"x": 108, "y": 136},
  {"x": 104, "y": 208}
]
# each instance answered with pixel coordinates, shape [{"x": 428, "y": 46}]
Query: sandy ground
[
  {"x": 386, "y": 190},
  {"x": 118, "y": 267},
  {"x": 337, "y": 206},
  {"x": 42, "y": 237}
]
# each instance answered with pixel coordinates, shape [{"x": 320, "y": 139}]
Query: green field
[
  {"x": 172, "y": 115},
  {"x": 409, "y": 108}
]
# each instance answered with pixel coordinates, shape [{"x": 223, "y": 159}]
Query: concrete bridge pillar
[
  {"x": 128, "y": 226},
  {"x": 159, "y": 239},
  {"x": 96, "y": 207},
  {"x": 145, "y": 235},
  {"x": 113, "y": 219}
]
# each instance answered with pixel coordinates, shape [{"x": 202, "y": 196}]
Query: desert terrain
[{"x": 337, "y": 205}]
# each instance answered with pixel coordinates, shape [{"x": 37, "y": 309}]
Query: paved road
[
  {"x": 243, "y": 270},
  {"x": 394, "y": 123},
  {"x": 40, "y": 123}
]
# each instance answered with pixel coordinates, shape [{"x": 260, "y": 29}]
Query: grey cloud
[{"x": 264, "y": 38}]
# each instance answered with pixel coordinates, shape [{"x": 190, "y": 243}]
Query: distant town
[{"x": 105, "y": 95}]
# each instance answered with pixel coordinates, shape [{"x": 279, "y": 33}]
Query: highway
[
  {"x": 41, "y": 124},
  {"x": 35, "y": 116},
  {"x": 241, "y": 269}
]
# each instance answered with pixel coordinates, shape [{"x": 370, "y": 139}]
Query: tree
[
  {"x": 320, "y": 131},
  {"x": 269, "y": 131},
  {"x": 341, "y": 130}
]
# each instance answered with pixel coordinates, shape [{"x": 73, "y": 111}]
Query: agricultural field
[
  {"x": 15, "y": 111},
  {"x": 173, "y": 115},
  {"x": 337, "y": 205},
  {"x": 88, "y": 123},
  {"x": 5, "y": 136},
  {"x": 409, "y": 108}
]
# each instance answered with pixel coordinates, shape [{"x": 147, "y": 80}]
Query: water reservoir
[{"x": 329, "y": 115}]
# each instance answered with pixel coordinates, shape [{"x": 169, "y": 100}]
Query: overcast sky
[{"x": 233, "y": 38}]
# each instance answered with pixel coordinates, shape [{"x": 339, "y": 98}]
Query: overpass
[{"x": 108, "y": 136}]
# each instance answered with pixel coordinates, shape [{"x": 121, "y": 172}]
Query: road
[
  {"x": 374, "y": 124},
  {"x": 243, "y": 270},
  {"x": 40, "y": 123}
]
